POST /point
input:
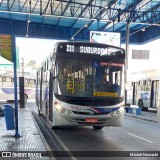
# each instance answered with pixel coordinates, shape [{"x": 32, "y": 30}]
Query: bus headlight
[
  {"x": 112, "y": 114},
  {"x": 69, "y": 113},
  {"x": 58, "y": 107},
  {"x": 63, "y": 110},
  {"x": 117, "y": 112},
  {"x": 121, "y": 109}
]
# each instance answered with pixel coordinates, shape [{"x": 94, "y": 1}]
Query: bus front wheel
[
  {"x": 98, "y": 127},
  {"x": 54, "y": 127}
]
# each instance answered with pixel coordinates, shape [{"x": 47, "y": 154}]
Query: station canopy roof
[{"x": 76, "y": 18}]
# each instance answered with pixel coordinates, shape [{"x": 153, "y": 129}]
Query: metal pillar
[
  {"x": 17, "y": 135},
  {"x": 126, "y": 59},
  {"x": 22, "y": 65},
  {"x": 21, "y": 92}
]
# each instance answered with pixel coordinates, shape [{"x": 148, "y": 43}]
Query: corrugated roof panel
[
  {"x": 19, "y": 17},
  {"x": 51, "y": 20},
  {"x": 2, "y": 15},
  {"x": 80, "y": 23},
  {"x": 70, "y": 9},
  {"x": 148, "y": 4},
  {"x": 66, "y": 22},
  {"x": 96, "y": 25},
  {"x": 35, "y": 19},
  {"x": 117, "y": 27},
  {"x": 136, "y": 27},
  {"x": 3, "y": 5}
]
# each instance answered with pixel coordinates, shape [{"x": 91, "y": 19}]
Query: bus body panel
[
  {"x": 144, "y": 92},
  {"x": 9, "y": 96},
  {"x": 109, "y": 120},
  {"x": 143, "y": 96},
  {"x": 77, "y": 115}
]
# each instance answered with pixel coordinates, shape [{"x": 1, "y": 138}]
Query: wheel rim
[{"x": 140, "y": 104}]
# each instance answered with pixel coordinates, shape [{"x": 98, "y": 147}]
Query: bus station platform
[
  {"x": 30, "y": 145},
  {"x": 150, "y": 115},
  {"x": 31, "y": 139}
]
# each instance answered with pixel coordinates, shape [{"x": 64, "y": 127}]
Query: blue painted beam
[{"x": 19, "y": 28}]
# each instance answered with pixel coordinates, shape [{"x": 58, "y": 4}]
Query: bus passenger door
[
  {"x": 51, "y": 97},
  {"x": 135, "y": 91},
  {"x": 154, "y": 94},
  {"x": 41, "y": 82}
]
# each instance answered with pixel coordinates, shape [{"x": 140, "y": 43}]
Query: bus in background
[
  {"x": 82, "y": 84},
  {"x": 7, "y": 88},
  {"x": 144, "y": 89}
]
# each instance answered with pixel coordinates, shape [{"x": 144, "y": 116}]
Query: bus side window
[
  {"x": 3, "y": 79},
  {"x": 148, "y": 85},
  {"x": 7, "y": 81}
]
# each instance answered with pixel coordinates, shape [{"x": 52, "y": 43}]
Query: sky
[{"x": 34, "y": 49}]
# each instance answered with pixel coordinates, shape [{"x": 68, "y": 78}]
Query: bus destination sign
[
  {"x": 80, "y": 48},
  {"x": 86, "y": 49}
]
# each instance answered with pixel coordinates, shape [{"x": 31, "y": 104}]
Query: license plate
[{"x": 92, "y": 120}]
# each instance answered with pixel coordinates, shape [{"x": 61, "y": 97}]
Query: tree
[{"x": 32, "y": 64}]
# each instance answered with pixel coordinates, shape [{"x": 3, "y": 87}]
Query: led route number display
[{"x": 87, "y": 50}]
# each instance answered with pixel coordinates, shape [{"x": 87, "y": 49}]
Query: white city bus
[
  {"x": 144, "y": 90},
  {"x": 7, "y": 88},
  {"x": 69, "y": 88}
]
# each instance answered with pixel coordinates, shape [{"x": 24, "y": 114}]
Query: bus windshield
[{"x": 89, "y": 78}]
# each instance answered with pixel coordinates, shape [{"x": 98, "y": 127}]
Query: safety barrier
[
  {"x": 133, "y": 110},
  {"x": 9, "y": 117}
]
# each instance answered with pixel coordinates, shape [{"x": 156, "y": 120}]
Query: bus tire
[
  {"x": 39, "y": 113},
  {"x": 98, "y": 127},
  {"x": 145, "y": 109},
  {"x": 54, "y": 127},
  {"x": 141, "y": 105}
]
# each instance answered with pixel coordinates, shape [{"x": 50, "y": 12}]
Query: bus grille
[{"x": 88, "y": 113}]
